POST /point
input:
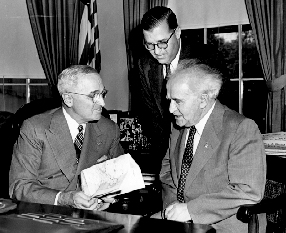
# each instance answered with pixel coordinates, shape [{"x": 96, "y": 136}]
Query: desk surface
[{"x": 130, "y": 223}]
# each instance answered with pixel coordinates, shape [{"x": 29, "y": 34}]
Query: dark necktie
[
  {"x": 168, "y": 71},
  {"x": 165, "y": 101},
  {"x": 186, "y": 164},
  {"x": 78, "y": 142}
]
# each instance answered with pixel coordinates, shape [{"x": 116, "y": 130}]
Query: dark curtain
[
  {"x": 133, "y": 10},
  {"x": 268, "y": 23},
  {"x": 153, "y": 3},
  {"x": 55, "y": 27}
]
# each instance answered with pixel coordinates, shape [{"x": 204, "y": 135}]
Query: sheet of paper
[
  {"x": 275, "y": 143},
  {"x": 274, "y": 136},
  {"x": 119, "y": 174}
]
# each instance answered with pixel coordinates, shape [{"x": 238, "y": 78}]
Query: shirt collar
[
  {"x": 174, "y": 63},
  {"x": 72, "y": 124},
  {"x": 201, "y": 125}
]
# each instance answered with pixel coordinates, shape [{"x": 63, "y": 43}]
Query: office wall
[
  {"x": 209, "y": 13},
  {"x": 113, "y": 53},
  {"x": 18, "y": 55},
  {"x": 19, "y": 58}
]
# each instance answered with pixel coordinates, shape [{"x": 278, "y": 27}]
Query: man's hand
[
  {"x": 82, "y": 201},
  {"x": 177, "y": 212},
  {"x": 106, "y": 201},
  {"x": 77, "y": 200}
]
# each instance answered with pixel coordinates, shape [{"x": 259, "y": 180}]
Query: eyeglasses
[
  {"x": 160, "y": 45},
  {"x": 94, "y": 96}
]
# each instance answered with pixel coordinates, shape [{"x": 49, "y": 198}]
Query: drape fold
[
  {"x": 55, "y": 26},
  {"x": 268, "y": 19},
  {"x": 276, "y": 84}
]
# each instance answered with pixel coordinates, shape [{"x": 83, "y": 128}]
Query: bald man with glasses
[
  {"x": 54, "y": 147},
  {"x": 164, "y": 49}
]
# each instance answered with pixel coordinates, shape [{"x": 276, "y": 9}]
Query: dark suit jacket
[
  {"x": 228, "y": 170},
  {"x": 152, "y": 106},
  {"x": 44, "y": 157}
]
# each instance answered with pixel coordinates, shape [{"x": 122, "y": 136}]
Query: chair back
[
  {"x": 6, "y": 142},
  {"x": 273, "y": 204}
]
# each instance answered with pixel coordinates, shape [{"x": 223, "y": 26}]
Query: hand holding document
[{"x": 114, "y": 176}]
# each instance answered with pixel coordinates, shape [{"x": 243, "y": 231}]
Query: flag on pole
[{"x": 89, "y": 53}]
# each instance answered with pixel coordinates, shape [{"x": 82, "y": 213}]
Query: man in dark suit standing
[
  {"x": 162, "y": 41},
  {"x": 46, "y": 164},
  {"x": 216, "y": 160}
]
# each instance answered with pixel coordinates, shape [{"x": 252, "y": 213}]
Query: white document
[
  {"x": 274, "y": 136},
  {"x": 275, "y": 143},
  {"x": 120, "y": 174}
]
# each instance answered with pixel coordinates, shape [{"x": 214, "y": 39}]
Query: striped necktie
[
  {"x": 186, "y": 164},
  {"x": 78, "y": 141}
]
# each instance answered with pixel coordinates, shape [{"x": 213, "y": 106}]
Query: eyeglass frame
[
  {"x": 162, "y": 42},
  {"x": 93, "y": 96}
]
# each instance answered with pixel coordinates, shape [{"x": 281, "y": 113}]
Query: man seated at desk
[
  {"x": 216, "y": 160},
  {"x": 54, "y": 147}
]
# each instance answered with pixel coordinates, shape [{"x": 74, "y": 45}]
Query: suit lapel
[
  {"x": 208, "y": 143},
  {"x": 93, "y": 138},
  {"x": 60, "y": 141},
  {"x": 156, "y": 79}
]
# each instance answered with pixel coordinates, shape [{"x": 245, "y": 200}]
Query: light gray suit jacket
[
  {"x": 44, "y": 157},
  {"x": 228, "y": 170}
]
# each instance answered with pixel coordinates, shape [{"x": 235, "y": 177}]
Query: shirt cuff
[{"x": 57, "y": 197}]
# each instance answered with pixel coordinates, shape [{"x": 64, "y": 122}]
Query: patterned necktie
[
  {"x": 78, "y": 141},
  {"x": 186, "y": 164}
]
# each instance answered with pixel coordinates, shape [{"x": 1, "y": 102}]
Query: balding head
[
  {"x": 200, "y": 78},
  {"x": 192, "y": 89}
]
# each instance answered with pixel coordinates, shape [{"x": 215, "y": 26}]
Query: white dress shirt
[
  {"x": 174, "y": 63},
  {"x": 199, "y": 130},
  {"x": 73, "y": 125}
]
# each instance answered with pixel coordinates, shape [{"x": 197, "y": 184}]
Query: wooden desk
[{"x": 131, "y": 223}]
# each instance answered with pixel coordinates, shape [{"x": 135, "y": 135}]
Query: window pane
[
  {"x": 223, "y": 54},
  {"x": 13, "y": 92},
  {"x": 192, "y": 37},
  {"x": 13, "y": 98},
  {"x": 229, "y": 94},
  {"x": 254, "y": 85},
  {"x": 224, "y": 43},
  {"x": 39, "y": 81},
  {"x": 251, "y": 65},
  {"x": 39, "y": 92},
  {"x": 255, "y": 101}
]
